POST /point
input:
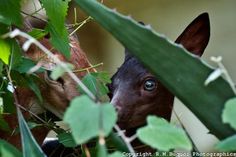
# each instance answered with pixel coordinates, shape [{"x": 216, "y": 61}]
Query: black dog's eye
[{"x": 149, "y": 85}]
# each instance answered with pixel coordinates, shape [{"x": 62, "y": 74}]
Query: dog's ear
[{"x": 196, "y": 36}]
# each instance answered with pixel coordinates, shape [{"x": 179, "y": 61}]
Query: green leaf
[
  {"x": 7, "y": 96},
  {"x": 25, "y": 65},
  {"x": 163, "y": 136},
  {"x": 58, "y": 71},
  {"x": 1, "y": 106},
  {"x": 16, "y": 55},
  {"x": 33, "y": 86},
  {"x": 162, "y": 56},
  {"x": 66, "y": 139},
  {"x": 8, "y": 150},
  {"x": 31, "y": 125},
  {"x": 10, "y": 12},
  {"x": 96, "y": 86},
  {"x": 229, "y": 144},
  {"x": 37, "y": 33},
  {"x": 59, "y": 40},
  {"x": 56, "y": 11},
  {"x": 5, "y": 51},
  {"x": 89, "y": 118},
  {"x": 101, "y": 150},
  {"x": 29, "y": 145},
  {"x": 229, "y": 113},
  {"x": 116, "y": 154},
  {"x": 115, "y": 140},
  {"x": 3, "y": 28},
  {"x": 102, "y": 76},
  {"x": 1, "y": 67},
  {"x": 3, "y": 124}
]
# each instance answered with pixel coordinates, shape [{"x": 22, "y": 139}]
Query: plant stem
[
  {"x": 82, "y": 23},
  {"x": 125, "y": 139},
  {"x": 88, "y": 68}
]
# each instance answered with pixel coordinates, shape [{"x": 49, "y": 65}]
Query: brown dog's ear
[{"x": 196, "y": 36}]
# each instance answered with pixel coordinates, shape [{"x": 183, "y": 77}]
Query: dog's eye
[{"x": 150, "y": 84}]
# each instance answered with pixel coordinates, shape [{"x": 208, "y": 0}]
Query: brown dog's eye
[{"x": 149, "y": 85}]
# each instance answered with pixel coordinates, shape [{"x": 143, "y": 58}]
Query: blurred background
[{"x": 170, "y": 18}]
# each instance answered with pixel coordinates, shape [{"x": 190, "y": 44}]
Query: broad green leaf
[
  {"x": 66, "y": 139},
  {"x": 96, "y": 86},
  {"x": 58, "y": 71},
  {"x": 56, "y": 11},
  {"x": 16, "y": 55},
  {"x": 229, "y": 144},
  {"x": 163, "y": 136},
  {"x": 89, "y": 118},
  {"x": 10, "y": 12},
  {"x": 116, "y": 154},
  {"x": 8, "y": 150},
  {"x": 37, "y": 33},
  {"x": 29, "y": 145},
  {"x": 162, "y": 56},
  {"x": 25, "y": 65},
  {"x": 5, "y": 51},
  {"x": 229, "y": 113}
]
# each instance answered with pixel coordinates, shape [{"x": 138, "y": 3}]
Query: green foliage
[
  {"x": 90, "y": 119},
  {"x": 30, "y": 146},
  {"x": 96, "y": 83},
  {"x": 66, "y": 139},
  {"x": 23, "y": 65},
  {"x": 37, "y": 33},
  {"x": 16, "y": 56},
  {"x": 3, "y": 124},
  {"x": 58, "y": 71},
  {"x": 30, "y": 80},
  {"x": 229, "y": 113},
  {"x": 229, "y": 144},
  {"x": 116, "y": 154},
  {"x": 115, "y": 140},
  {"x": 1, "y": 67},
  {"x": 160, "y": 52},
  {"x": 56, "y": 12},
  {"x": 10, "y": 12},
  {"x": 8, "y": 104},
  {"x": 101, "y": 150},
  {"x": 163, "y": 136},
  {"x": 5, "y": 51},
  {"x": 1, "y": 105},
  {"x": 7, "y": 150}
]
